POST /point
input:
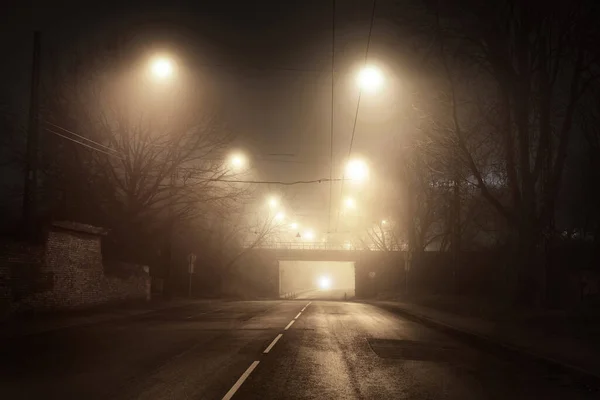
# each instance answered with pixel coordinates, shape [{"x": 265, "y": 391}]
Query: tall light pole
[{"x": 162, "y": 69}]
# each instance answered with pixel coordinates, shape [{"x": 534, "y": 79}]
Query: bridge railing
[{"x": 313, "y": 246}]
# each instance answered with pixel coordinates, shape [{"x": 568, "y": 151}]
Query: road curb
[{"x": 587, "y": 377}]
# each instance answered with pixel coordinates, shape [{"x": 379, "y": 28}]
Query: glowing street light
[
  {"x": 383, "y": 222},
  {"x": 237, "y": 161},
  {"x": 350, "y": 203},
  {"x": 370, "y": 79},
  {"x": 280, "y": 216},
  {"x": 357, "y": 171},
  {"x": 273, "y": 202},
  {"x": 162, "y": 68},
  {"x": 294, "y": 225}
]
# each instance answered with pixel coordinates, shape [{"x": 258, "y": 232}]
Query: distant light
[
  {"x": 347, "y": 245},
  {"x": 294, "y": 225},
  {"x": 280, "y": 216},
  {"x": 324, "y": 283},
  {"x": 162, "y": 67},
  {"x": 370, "y": 79},
  {"x": 350, "y": 203},
  {"x": 383, "y": 222},
  {"x": 357, "y": 171},
  {"x": 273, "y": 202},
  {"x": 309, "y": 235}
]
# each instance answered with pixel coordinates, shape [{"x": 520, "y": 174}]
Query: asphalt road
[
  {"x": 331, "y": 294},
  {"x": 332, "y": 350}
]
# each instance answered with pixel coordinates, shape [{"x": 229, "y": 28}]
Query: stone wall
[{"x": 73, "y": 274}]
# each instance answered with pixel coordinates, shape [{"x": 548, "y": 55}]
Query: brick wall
[{"x": 75, "y": 275}]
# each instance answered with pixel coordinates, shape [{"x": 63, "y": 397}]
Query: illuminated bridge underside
[{"x": 381, "y": 269}]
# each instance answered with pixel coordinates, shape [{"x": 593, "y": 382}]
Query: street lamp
[
  {"x": 280, "y": 216},
  {"x": 357, "y": 171},
  {"x": 350, "y": 203},
  {"x": 309, "y": 235},
  {"x": 383, "y": 222},
  {"x": 273, "y": 202},
  {"x": 294, "y": 225},
  {"x": 370, "y": 79},
  {"x": 237, "y": 161},
  {"x": 162, "y": 68}
]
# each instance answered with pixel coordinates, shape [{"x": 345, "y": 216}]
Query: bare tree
[
  {"x": 132, "y": 154},
  {"x": 587, "y": 197},
  {"x": 509, "y": 78}
]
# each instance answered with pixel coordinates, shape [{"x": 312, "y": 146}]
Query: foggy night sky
[{"x": 238, "y": 46}]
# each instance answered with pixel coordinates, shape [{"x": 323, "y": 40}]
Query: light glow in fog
[{"x": 324, "y": 283}]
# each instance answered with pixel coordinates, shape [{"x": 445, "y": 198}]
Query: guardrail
[
  {"x": 311, "y": 246},
  {"x": 293, "y": 294}
]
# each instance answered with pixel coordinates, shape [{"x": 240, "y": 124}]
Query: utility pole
[
  {"x": 456, "y": 234},
  {"x": 167, "y": 289},
  {"x": 31, "y": 164}
]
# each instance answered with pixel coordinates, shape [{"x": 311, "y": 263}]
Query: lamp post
[{"x": 162, "y": 69}]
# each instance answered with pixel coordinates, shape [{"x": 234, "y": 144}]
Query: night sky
[{"x": 270, "y": 63}]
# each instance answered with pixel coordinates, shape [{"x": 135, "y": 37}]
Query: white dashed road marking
[
  {"x": 290, "y": 324},
  {"x": 252, "y": 366},
  {"x": 268, "y": 349},
  {"x": 240, "y": 381},
  {"x": 306, "y": 306}
]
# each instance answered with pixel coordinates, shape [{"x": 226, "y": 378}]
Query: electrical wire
[
  {"x": 209, "y": 180},
  {"x": 358, "y": 102},
  {"x": 84, "y": 144},
  {"x": 259, "y": 68},
  {"x": 332, "y": 114},
  {"x": 274, "y": 182},
  {"x": 80, "y": 136}
]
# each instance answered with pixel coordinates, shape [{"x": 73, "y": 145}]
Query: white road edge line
[
  {"x": 290, "y": 324},
  {"x": 300, "y": 313},
  {"x": 240, "y": 381},
  {"x": 268, "y": 349}
]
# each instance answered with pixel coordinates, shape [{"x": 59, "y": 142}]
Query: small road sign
[{"x": 191, "y": 260}]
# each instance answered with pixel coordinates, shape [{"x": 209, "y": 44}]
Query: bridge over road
[{"x": 374, "y": 269}]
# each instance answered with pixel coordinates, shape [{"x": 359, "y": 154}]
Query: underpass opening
[{"x": 330, "y": 280}]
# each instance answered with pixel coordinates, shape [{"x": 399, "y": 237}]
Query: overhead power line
[
  {"x": 207, "y": 180},
  {"x": 358, "y": 101},
  {"x": 332, "y": 114},
  {"x": 275, "y": 182},
  {"x": 80, "y": 136},
  {"x": 83, "y": 144}
]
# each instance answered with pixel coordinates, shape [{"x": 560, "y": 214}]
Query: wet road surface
[{"x": 300, "y": 349}]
